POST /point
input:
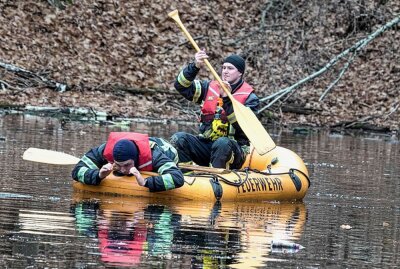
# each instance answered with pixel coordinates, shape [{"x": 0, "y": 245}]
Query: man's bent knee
[{"x": 222, "y": 142}]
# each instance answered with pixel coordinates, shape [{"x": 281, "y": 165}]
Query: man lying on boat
[{"x": 128, "y": 153}]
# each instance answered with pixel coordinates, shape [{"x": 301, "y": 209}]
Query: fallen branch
[
  {"x": 363, "y": 120},
  {"x": 21, "y": 71},
  {"x": 296, "y": 109},
  {"x": 6, "y": 105},
  {"x": 140, "y": 91},
  {"x": 77, "y": 111},
  {"x": 355, "y": 48},
  {"x": 360, "y": 121}
]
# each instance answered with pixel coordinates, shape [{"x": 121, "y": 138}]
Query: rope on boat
[{"x": 240, "y": 181}]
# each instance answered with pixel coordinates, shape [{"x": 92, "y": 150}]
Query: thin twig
[
  {"x": 346, "y": 66},
  {"x": 393, "y": 109},
  {"x": 4, "y": 85}
]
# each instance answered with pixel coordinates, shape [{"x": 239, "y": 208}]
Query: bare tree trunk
[{"x": 354, "y": 50}]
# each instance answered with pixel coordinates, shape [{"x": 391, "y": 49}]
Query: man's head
[
  {"x": 126, "y": 155},
  {"x": 233, "y": 68}
]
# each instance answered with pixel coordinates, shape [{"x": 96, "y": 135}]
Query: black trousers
[{"x": 221, "y": 153}]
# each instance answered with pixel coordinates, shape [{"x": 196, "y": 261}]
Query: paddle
[
  {"x": 245, "y": 117},
  {"x": 49, "y": 157},
  {"x": 61, "y": 158},
  {"x": 203, "y": 168}
]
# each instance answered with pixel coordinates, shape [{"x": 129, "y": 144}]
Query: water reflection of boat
[
  {"x": 284, "y": 177},
  {"x": 132, "y": 231},
  {"x": 266, "y": 223}
]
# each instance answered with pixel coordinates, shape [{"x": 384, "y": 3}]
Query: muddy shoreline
[{"x": 90, "y": 116}]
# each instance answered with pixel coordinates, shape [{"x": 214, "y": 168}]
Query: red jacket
[
  {"x": 141, "y": 141},
  {"x": 211, "y": 99}
]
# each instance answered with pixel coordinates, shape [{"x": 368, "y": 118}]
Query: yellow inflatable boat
[{"x": 278, "y": 175}]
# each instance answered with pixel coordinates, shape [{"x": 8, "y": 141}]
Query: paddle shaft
[
  {"x": 203, "y": 168},
  {"x": 175, "y": 16},
  {"x": 61, "y": 158}
]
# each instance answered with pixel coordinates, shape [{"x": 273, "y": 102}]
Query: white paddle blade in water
[{"x": 49, "y": 156}]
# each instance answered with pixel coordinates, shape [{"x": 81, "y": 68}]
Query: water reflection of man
[
  {"x": 156, "y": 232},
  {"x": 121, "y": 235},
  {"x": 86, "y": 218},
  {"x": 122, "y": 239}
]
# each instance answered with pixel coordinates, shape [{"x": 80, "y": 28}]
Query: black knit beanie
[
  {"x": 125, "y": 150},
  {"x": 237, "y": 61}
]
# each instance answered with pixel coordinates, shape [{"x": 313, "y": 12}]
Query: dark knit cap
[
  {"x": 237, "y": 61},
  {"x": 125, "y": 150}
]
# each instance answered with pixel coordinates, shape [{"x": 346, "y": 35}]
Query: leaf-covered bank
[{"x": 121, "y": 57}]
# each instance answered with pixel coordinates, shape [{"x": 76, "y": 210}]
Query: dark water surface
[{"x": 350, "y": 217}]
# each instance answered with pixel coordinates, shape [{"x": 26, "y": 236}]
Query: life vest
[
  {"x": 210, "y": 101},
  {"x": 141, "y": 141}
]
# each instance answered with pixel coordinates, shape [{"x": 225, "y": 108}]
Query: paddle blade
[
  {"x": 253, "y": 128},
  {"x": 49, "y": 156}
]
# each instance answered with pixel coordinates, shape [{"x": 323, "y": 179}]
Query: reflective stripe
[
  {"x": 89, "y": 163},
  {"x": 183, "y": 81},
  {"x": 144, "y": 165},
  {"x": 168, "y": 182},
  {"x": 240, "y": 93},
  {"x": 81, "y": 174},
  {"x": 152, "y": 144},
  {"x": 232, "y": 118},
  {"x": 176, "y": 159},
  {"x": 169, "y": 150},
  {"x": 216, "y": 93},
  {"x": 232, "y": 131},
  {"x": 165, "y": 167},
  {"x": 197, "y": 92}
]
